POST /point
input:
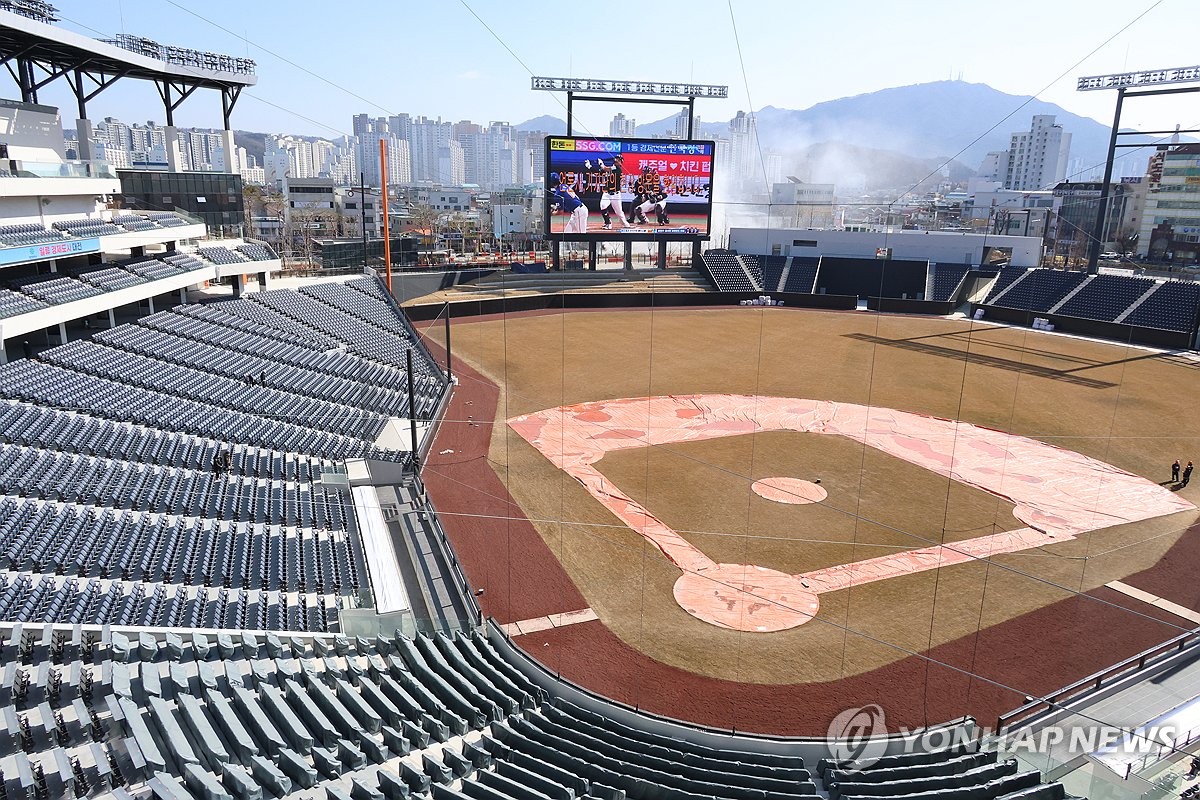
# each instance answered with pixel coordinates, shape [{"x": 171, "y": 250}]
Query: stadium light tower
[
  {"x": 1142, "y": 83},
  {"x": 629, "y": 92}
]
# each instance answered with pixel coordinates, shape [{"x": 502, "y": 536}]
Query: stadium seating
[
  {"x": 119, "y": 511},
  {"x": 1172, "y": 306},
  {"x": 256, "y": 252},
  {"x": 1041, "y": 289},
  {"x": 186, "y": 713},
  {"x": 950, "y": 774},
  {"x": 53, "y": 288},
  {"x": 802, "y": 275},
  {"x": 768, "y": 269},
  {"x": 165, "y": 219},
  {"x": 26, "y": 234},
  {"x": 134, "y": 222},
  {"x": 217, "y": 359},
  {"x": 370, "y": 286},
  {"x": 1105, "y": 297},
  {"x": 110, "y": 279},
  {"x": 754, "y": 268},
  {"x": 222, "y": 255},
  {"x": 183, "y": 262},
  {"x": 87, "y": 228},
  {"x": 946, "y": 278},
  {"x": 38, "y": 291},
  {"x": 53, "y": 428},
  {"x": 727, "y": 272},
  {"x": 1007, "y": 276},
  {"x": 14, "y": 303}
]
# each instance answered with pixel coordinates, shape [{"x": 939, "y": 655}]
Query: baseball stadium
[{"x": 811, "y": 514}]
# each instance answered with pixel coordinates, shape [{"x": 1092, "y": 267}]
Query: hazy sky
[{"x": 435, "y": 58}]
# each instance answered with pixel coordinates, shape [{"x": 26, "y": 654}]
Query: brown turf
[{"x": 521, "y": 567}]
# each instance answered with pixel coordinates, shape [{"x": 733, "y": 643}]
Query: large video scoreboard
[{"x": 606, "y": 188}]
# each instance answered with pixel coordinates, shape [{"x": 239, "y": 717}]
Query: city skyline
[{"x": 480, "y": 76}]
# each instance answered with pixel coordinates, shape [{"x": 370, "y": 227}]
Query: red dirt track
[{"x": 502, "y": 553}]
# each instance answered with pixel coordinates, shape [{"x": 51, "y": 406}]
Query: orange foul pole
[{"x": 383, "y": 209}]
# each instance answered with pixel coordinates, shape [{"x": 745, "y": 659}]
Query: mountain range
[{"x": 929, "y": 123}]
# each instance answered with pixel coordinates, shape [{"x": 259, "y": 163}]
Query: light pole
[{"x": 362, "y": 213}]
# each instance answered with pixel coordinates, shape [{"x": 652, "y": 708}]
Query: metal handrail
[{"x": 1096, "y": 680}]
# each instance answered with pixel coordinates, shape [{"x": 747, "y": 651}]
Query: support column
[
  {"x": 592, "y": 255},
  {"x": 84, "y": 128},
  {"x": 239, "y": 286},
  {"x": 183, "y": 295},
  {"x": 231, "y": 162},
  {"x": 555, "y": 255},
  {"x": 1102, "y": 205},
  {"x": 175, "y": 162},
  {"x": 662, "y": 255},
  {"x": 112, "y": 319},
  {"x": 150, "y": 304},
  {"x": 62, "y": 332},
  {"x": 628, "y": 255},
  {"x": 264, "y": 281}
]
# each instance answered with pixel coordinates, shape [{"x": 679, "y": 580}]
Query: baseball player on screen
[
  {"x": 610, "y": 199},
  {"x": 567, "y": 202},
  {"x": 649, "y": 194}
]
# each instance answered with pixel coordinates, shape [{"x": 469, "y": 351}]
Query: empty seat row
[
  {"x": 256, "y": 252},
  {"x": 166, "y": 219},
  {"x": 946, "y": 278},
  {"x": 32, "y": 598},
  {"x": 87, "y": 227},
  {"x": 271, "y": 713},
  {"x": 802, "y": 275},
  {"x": 111, "y": 279},
  {"x": 59, "y": 289},
  {"x": 222, "y": 255},
  {"x": 1041, "y": 289},
  {"x": 1172, "y": 306},
  {"x": 133, "y": 222},
  {"x": 244, "y": 395},
  {"x": 69, "y": 431},
  {"x": 87, "y": 541},
  {"x": 28, "y": 233},
  {"x": 71, "y": 477},
  {"x": 1006, "y": 277},
  {"x": 44, "y": 384},
  {"x": 14, "y": 303},
  {"x": 727, "y": 272},
  {"x": 218, "y": 359},
  {"x": 205, "y": 324}
]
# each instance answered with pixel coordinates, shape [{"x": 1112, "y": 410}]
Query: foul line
[
  {"x": 1155, "y": 600},
  {"x": 536, "y": 624}
]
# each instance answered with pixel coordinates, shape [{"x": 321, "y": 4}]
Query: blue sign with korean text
[{"x": 47, "y": 251}]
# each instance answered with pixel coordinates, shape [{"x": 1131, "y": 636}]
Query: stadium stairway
[
  {"x": 427, "y": 562},
  {"x": 90, "y": 712}
]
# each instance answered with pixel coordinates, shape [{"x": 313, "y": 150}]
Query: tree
[
  {"x": 460, "y": 225},
  {"x": 425, "y": 218},
  {"x": 305, "y": 226}
]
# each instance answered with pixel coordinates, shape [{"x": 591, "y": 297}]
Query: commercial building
[{"x": 1170, "y": 225}]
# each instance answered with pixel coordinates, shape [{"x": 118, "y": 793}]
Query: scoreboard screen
[{"x": 614, "y": 188}]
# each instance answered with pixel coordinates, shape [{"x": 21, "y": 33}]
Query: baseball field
[{"x": 962, "y": 505}]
